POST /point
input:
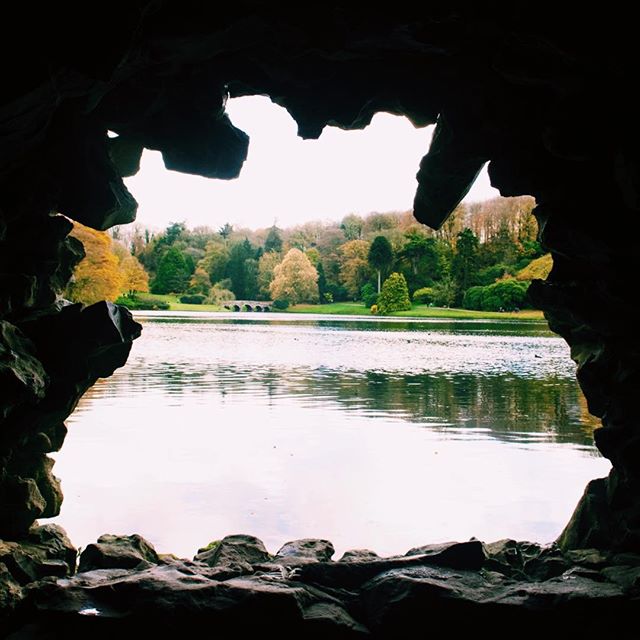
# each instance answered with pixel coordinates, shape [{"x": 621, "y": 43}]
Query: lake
[{"x": 383, "y": 433}]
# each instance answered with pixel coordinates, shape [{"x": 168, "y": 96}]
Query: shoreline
[{"x": 358, "y": 309}]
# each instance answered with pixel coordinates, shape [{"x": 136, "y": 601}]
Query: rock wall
[
  {"x": 237, "y": 588},
  {"x": 544, "y": 97}
]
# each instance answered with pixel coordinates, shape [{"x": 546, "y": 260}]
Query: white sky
[{"x": 289, "y": 180}]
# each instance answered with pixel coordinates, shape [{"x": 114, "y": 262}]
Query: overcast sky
[{"x": 289, "y": 180}]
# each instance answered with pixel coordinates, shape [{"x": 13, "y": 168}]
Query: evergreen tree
[
  {"x": 251, "y": 279},
  {"x": 464, "y": 267},
  {"x": 215, "y": 260},
  {"x": 394, "y": 295},
  {"x": 173, "y": 273},
  {"x": 225, "y": 231},
  {"x": 369, "y": 295},
  {"x": 502, "y": 248},
  {"x": 380, "y": 255},
  {"x": 322, "y": 282},
  {"x": 173, "y": 232},
  {"x": 190, "y": 262},
  {"x": 423, "y": 259},
  {"x": 242, "y": 282},
  {"x": 274, "y": 240}
]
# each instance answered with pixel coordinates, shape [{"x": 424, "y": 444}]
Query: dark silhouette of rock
[
  {"x": 117, "y": 552},
  {"x": 628, "y": 577},
  {"x": 457, "y": 555},
  {"x": 400, "y": 597},
  {"x": 75, "y": 347},
  {"x": 21, "y": 374},
  {"x": 10, "y": 592},
  {"x": 46, "y": 552},
  {"x": 483, "y": 82},
  {"x": 465, "y": 555}
]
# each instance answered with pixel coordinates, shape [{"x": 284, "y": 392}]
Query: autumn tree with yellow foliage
[
  {"x": 354, "y": 269},
  {"x": 295, "y": 279},
  {"x": 101, "y": 275},
  {"x": 134, "y": 277}
]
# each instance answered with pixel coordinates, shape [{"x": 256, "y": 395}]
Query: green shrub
[
  {"x": 192, "y": 298},
  {"x": 424, "y": 296},
  {"x": 338, "y": 292},
  {"x": 491, "y": 302},
  {"x": 444, "y": 292},
  {"x": 148, "y": 303},
  {"x": 473, "y": 298},
  {"x": 489, "y": 275},
  {"x": 511, "y": 293},
  {"x": 280, "y": 304},
  {"x": 504, "y": 295},
  {"x": 521, "y": 264},
  {"x": 369, "y": 295},
  {"x": 394, "y": 295},
  {"x": 218, "y": 294}
]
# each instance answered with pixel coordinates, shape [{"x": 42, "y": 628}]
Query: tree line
[{"x": 475, "y": 260}]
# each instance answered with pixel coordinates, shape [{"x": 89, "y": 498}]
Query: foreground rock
[
  {"x": 237, "y": 589},
  {"x": 511, "y": 85},
  {"x": 236, "y": 552},
  {"x": 118, "y": 552},
  {"x": 305, "y": 551},
  {"x": 45, "y": 551}
]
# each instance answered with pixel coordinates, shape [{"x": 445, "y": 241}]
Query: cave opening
[
  {"x": 510, "y": 87},
  {"x": 497, "y": 453}
]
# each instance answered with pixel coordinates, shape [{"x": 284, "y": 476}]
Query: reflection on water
[{"x": 373, "y": 432}]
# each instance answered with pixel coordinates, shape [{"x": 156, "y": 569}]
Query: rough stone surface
[
  {"x": 44, "y": 553},
  {"x": 74, "y": 347},
  {"x": 10, "y": 590},
  {"x": 358, "y": 555},
  {"x": 303, "y": 551},
  {"x": 463, "y": 555},
  {"x": 399, "y": 597},
  {"x": 117, "y": 552},
  {"x": 628, "y": 577},
  {"x": 22, "y": 377},
  {"x": 234, "y": 555}
]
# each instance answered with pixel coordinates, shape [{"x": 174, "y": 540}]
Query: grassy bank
[
  {"x": 174, "y": 303},
  {"x": 418, "y": 311},
  {"x": 358, "y": 309}
]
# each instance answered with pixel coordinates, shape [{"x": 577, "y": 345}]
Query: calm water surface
[{"x": 379, "y": 433}]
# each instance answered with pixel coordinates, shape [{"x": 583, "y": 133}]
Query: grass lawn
[
  {"x": 418, "y": 311},
  {"x": 176, "y": 305},
  {"x": 335, "y": 308}
]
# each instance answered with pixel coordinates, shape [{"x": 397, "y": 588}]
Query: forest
[{"x": 483, "y": 258}]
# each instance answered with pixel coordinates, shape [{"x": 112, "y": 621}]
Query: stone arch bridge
[{"x": 248, "y": 305}]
